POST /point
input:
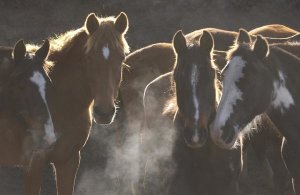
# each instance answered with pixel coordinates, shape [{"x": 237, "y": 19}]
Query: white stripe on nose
[
  {"x": 194, "y": 80},
  {"x": 38, "y": 79}
]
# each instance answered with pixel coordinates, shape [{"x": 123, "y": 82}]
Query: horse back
[
  {"x": 274, "y": 30},
  {"x": 223, "y": 39}
]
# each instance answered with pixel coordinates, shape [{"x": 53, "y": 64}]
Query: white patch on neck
[
  {"x": 231, "y": 93},
  {"x": 105, "y": 52},
  {"x": 38, "y": 79},
  {"x": 283, "y": 99}
]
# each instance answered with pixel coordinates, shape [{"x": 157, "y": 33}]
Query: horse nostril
[{"x": 97, "y": 111}]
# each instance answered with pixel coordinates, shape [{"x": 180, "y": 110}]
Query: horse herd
[{"x": 200, "y": 93}]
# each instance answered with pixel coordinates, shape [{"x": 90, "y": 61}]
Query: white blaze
[
  {"x": 283, "y": 99},
  {"x": 105, "y": 52},
  {"x": 231, "y": 93},
  {"x": 38, "y": 79},
  {"x": 194, "y": 80}
]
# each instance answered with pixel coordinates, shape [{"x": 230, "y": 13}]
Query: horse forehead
[
  {"x": 39, "y": 80},
  {"x": 231, "y": 92},
  {"x": 105, "y": 51},
  {"x": 234, "y": 69}
]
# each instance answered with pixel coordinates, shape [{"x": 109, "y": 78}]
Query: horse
[
  {"x": 189, "y": 100},
  {"x": 270, "y": 73},
  {"x": 26, "y": 125},
  {"x": 85, "y": 74}
]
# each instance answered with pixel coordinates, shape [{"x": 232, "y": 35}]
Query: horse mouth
[
  {"x": 194, "y": 145},
  {"x": 103, "y": 120}
]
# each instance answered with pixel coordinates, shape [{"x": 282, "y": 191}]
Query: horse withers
[
  {"x": 260, "y": 79},
  {"x": 26, "y": 124}
]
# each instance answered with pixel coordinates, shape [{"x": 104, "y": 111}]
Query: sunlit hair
[{"x": 108, "y": 33}]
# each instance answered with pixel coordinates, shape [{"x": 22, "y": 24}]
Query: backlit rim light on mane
[{"x": 38, "y": 79}]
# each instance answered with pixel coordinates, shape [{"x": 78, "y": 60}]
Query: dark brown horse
[
  {"x": 86, "y": 74},
  {"x": 270, "y": 73},
  {"x": 190, "y": 99},
  {"x": 25, "y": 124}
]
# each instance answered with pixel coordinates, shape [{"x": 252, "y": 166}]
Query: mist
[{"x": 134, "y": 157}]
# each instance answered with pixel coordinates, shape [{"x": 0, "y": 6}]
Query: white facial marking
[
  {"x": 195, "y": 138},
  {"x": 38, "y": 79},
  {"x": 283, "y": 99},
  {"x": 194, "y": 80},
  {"x": 231, "y": 93},
  {"x": 105, "y": 52}
]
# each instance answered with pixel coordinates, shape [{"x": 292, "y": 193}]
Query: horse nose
[
  {"x": 195, "y": 137},
  {"x": 103, "y": 117},
  {"x": 101, "y": 113}
]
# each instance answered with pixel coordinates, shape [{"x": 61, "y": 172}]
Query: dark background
[{"x": 150, "y": 22}]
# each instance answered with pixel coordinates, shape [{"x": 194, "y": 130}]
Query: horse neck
[
  {"x": 288, "y": 66},
  {"x": 68, "y": 76}
]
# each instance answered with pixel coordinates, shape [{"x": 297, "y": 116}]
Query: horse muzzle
[
  {"x": 102, "y": 117},
  {"x": 222, "y": 139},
  {"x": 195, "y": 137}
]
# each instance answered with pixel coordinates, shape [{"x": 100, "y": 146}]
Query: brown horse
[
  {"x": 86, "y": 73},
  {"x": 25, "y": 124}
]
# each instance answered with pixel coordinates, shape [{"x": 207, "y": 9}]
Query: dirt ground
[{"x": 150, "y": 22}]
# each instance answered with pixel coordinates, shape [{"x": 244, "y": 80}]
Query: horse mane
[
  {"x": 62, "y": 43},
  {"x": 107, "y": 32},
  {"x": 48, "y": 64},
  {"x": 238, "y": 47}
]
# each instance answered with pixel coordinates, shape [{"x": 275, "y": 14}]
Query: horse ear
[
  {"x": 243, "y": 37},
  {"x": 91, "y": 23},
  {"x": 121, "y": 23},
  {"x": 261, "y": 47},
  {"x": 19, "y": 51},
  {"x": 179, "y": 42},
  {"x": 42, "y": 53},
  {"x": 207, "y": 41}
]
